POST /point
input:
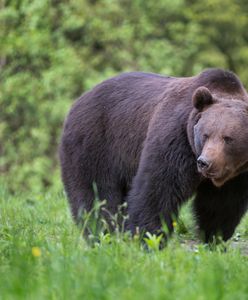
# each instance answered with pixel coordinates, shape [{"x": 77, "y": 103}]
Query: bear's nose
[{"x": 202, "y": 163}]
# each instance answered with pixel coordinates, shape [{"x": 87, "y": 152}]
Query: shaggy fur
[{"x": 133, "y": 135}]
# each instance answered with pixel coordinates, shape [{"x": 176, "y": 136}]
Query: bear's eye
[
  {"x": 205, "y": 136},
  {"x": 227, "y": 139}
]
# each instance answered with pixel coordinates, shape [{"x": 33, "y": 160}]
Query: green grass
[{"x": 115, "y": 268}]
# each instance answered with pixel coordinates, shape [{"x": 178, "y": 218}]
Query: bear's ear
[{"x": 202, "y": 98}]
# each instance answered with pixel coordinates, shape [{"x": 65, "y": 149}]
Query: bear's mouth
[
  {"x": 218, "y": 182},
  {"x": 217, "y": 179}
]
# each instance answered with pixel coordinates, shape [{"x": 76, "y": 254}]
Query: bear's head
[{"x": 220, "y": 136}]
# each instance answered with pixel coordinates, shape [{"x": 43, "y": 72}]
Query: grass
[{"x": 43, "y": 256}]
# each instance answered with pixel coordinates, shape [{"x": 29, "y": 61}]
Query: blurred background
[{"x": 51, "y": 51}]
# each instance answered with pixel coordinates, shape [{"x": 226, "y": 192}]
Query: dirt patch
[{"x": 193, "y": 245}]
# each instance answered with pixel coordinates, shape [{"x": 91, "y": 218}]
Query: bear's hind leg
[
  {"x": 80, "y": 195},
  {"x": 77, "y": 180}
]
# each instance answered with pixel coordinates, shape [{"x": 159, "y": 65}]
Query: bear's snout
[
  {"x": 209, "y": 168},
  {"x": 203, "y": 164}
]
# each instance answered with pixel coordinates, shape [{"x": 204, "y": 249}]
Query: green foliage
[
  {"x": 153, "y": 241},
  {"x": 52, "y": 51},
  {"x": 43, "y": 256}
]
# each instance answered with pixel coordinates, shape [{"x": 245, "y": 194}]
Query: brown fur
[{"x": 138, "y": 137}]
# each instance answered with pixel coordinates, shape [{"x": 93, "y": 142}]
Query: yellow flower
[
  {"x": 36, "y": 251},
  {"x": 174, "y": 224}
]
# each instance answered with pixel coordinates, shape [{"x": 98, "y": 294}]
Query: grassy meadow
[
  {"x": 43, "y": 256},
  {"x": 50, "y": 53}
]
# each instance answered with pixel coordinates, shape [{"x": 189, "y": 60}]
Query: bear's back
[{"x": 111, "y": 120}]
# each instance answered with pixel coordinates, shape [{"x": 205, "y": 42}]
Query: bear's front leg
[
  {"x": 218, "y": 211},
  {"x": 166, "y": 177}
]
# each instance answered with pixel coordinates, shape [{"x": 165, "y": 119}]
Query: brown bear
[{"x": 154, "y": 142}]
